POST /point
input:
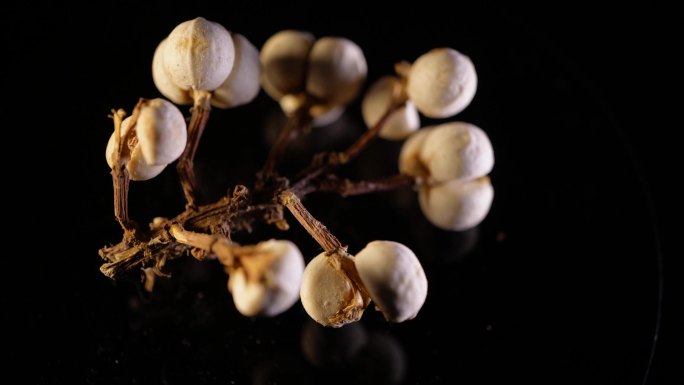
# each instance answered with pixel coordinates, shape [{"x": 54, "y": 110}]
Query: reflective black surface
[{"x": 558, "y": 285}]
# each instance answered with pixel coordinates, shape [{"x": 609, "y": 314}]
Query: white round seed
[
  {"x": 457, "y": 205},
  {"x": 284, "y": 59},
  {"x": 276, "y": 289},
  {"x": 328, "y": 294},
  {"x": 336, "y": 70},
  {"x": 409, "y": 157},
  {"x": 199, "y": 55},
  {"x": 163, "y": 81},
  {"x": 139, "y": 169},
  {"x": 161, "y": 132},
  {"x": 442, "y": 82},
  {"x": 377, "y": 102},
  {"x": 457, "y": 150},
  {"x": 394, "y": 278},
  {"x": 242, "y": 85}
]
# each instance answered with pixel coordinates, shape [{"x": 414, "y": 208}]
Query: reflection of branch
[
  {"x": 346, "y": 187},
  {"x": 185, "y": 166}
]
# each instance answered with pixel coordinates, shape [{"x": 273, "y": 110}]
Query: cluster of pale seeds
[{"x": 449, "y": 162}]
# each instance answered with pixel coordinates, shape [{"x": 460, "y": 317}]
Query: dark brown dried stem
[
  {"x": 323, "y": 162},
  {"x": 185, "y": 166},
  {"x": 206, "y": 221},
  {"x": 399, "y": 98},
  {"x": 296, "y": 122},
  {"x": 369, "y": 136},
  {"x": 120, "y": 177},
  {"x": 220, "y": 246},
  {"x": 121, "y": 182},
  {"x": 206, "y": 229},
  {"x": 316, "y": 229}
]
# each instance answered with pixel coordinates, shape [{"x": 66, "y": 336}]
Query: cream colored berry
[
  {"x": 138, "y": 168},
  {"x": 394, "y": 279},
  {"x": 111, "y": 144},
  {"x": 336, "y": 70},
  {"x": 457, "y": 150},
  {"x": 442, "y": 82},
  {"x": 268, "y": 286},
  {"x": 199, "y": 55},
  {"x": 242, "y": 85},
  {"x": 163, "y": 81},
  {"x": 328, "y": 293},
  {"x": 326, "y": 116},
  {"x": 378, "y": 101},
  {"x": 284, "y": 59},
  {"x": 321, "y": 114},
  {"x": 161, "y": 132},
  {"x": 457, "y": 205},
  {"x": 409, "y": 157}
]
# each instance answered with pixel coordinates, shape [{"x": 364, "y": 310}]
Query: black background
[{"x": 560, "y": 284}]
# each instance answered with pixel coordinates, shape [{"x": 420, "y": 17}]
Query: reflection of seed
[
  {"x": 326, "y": 347},
  {"x": 381, "y": 361}
]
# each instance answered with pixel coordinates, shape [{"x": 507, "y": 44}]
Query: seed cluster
[{"x": 202, "y": 64}]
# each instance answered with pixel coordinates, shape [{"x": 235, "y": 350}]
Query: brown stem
[
  {"x": 121, "y": 182},
  {"x": 316, "y": 229},
  {"x": 210, "y": 219},
  {"x": 185, "y": 166},
  {"x": 324, "y": 161},
  {"x": 296, "y": 122},
  {"x": 346, "y": 187},
  {"x": 369, "y": 136},
  {"x": 168, "y": 239},
  {"x": 120, "y": 178},
  {"x": 220, "y": 246}
]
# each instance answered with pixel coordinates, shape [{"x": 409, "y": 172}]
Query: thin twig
[
  {"x": 220, "y": 246},
  {"x": 316, "y": 229},
  {"x": 369, "y": 136},
  {"x": 185, "y": 166},
  {"x": 120, "y": 177},
  {"x": 323, "y": 162},
  {"x": 296, "y": 122},
  {"x": 202, "y": 229}
]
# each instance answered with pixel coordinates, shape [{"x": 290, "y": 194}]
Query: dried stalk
[
  {"x": 324, "y": 162},
  {"x": 203, "y": 230},
  {"x": 120, "y": 177},
  {"x": 296, "y": 122},
  {"x": 185, "y": 166},
  {"x": 318, "y": 231}
]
